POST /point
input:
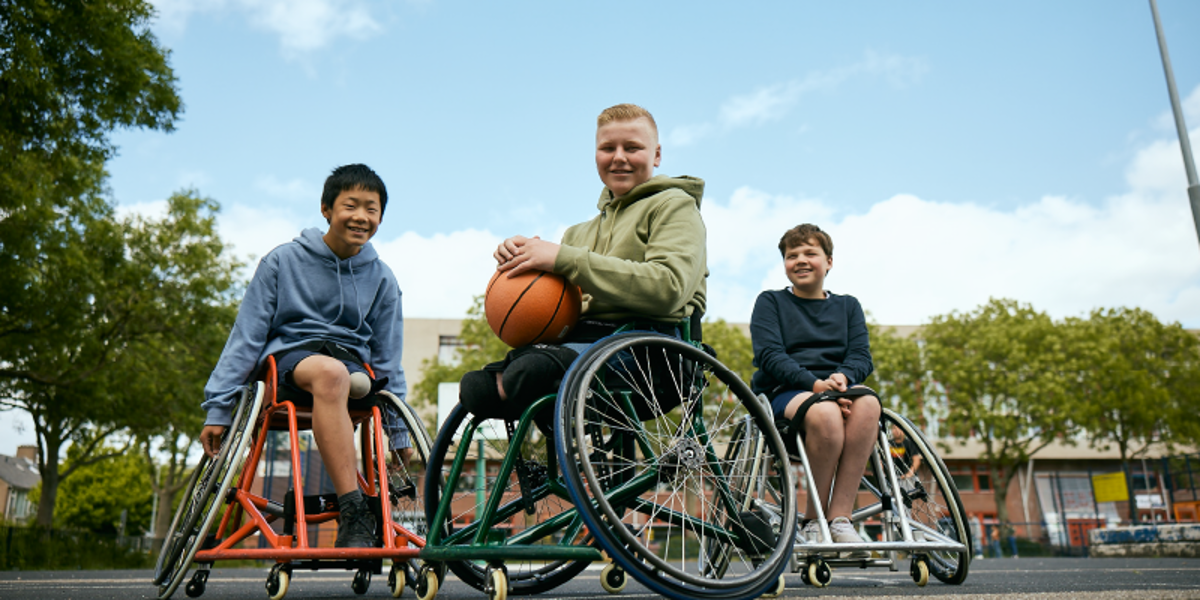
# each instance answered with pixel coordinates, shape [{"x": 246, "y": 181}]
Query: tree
[
  {"x": 70, "y": 73},
  {"x": 733, "y": 349},
  {"x": 110, "y": 295},
  {"x": 1137, "y": 377},
  {"x": 900, "y": 374},
  {"x": 1001, "y": 368},
  {"x": 98, "y": 494}
]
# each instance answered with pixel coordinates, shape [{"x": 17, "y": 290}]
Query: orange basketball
[{"x": 532, "y": 307}]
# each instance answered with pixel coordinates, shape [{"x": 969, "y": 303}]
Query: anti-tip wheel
[
  {"x": 362, "y": 582},
  {"x": 613, "y": 579},
  {"x": 497, "y": 584},
  {"x": 819, "y": 574},
  {"x": 776, "y": 591},
  {"x": 396, "y": 580},
  {"x": 195, "y": 587}
]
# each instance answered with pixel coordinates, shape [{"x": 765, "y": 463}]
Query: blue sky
[{"x": 956, "y": 151}]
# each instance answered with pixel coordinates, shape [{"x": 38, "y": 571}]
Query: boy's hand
[
  {"x": 507, "y": 249},
  {"x": 210, "y": 439},
  {"x": 532, "y": 253},
  {"x": 839, "y": 382}
]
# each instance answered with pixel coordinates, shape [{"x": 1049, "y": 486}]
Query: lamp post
[{"x": 1184, "y": 145}]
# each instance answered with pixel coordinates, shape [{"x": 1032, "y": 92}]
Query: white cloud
[
  {"x": 254, "y": 231},
  {"x": 296, "y": 190},
  {"x": 772, "y": 102},
  {"x": 908, "y": 259},
  {"x": 301, "y": 25},
  {"x": 440, "y": 274}
]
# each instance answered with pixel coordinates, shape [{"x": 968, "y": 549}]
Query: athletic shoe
[
  {"x": 356, "y": 527},
  {"x": 842, "y": 531}
]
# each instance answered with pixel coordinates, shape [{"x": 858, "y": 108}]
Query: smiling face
[
  {"x": 626, "y": 154},
  {"x": 353, "y": 220},
  {"x": 806, "y": 266}
]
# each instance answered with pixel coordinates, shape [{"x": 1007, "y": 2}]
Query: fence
[{"x": 36, "y": 548}]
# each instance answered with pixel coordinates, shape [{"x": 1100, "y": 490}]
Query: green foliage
[
  {"x": 1001, "y": 368},
  {"x": 900, "y": 373},
  {"x": 95, "y": 496},
  {"x": 38, "y": 548},
  {"x": 733, "y": 348},
  {"x": 481, "y": 346},
  {"x": 1137, "y": 380}
]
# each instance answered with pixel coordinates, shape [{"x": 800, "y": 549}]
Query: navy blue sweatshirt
[{"x": 798, "y": 341}]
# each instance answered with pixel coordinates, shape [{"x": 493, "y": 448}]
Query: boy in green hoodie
[{"x": 643, "y": 257}]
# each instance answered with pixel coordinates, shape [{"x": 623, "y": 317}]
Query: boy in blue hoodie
[{"x": 318, "y": 303}]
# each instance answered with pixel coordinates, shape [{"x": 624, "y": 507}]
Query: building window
[{"x": 449, "y": 349}]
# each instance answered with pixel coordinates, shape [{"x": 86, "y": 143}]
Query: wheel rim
[{"x": 649, "y": 440}]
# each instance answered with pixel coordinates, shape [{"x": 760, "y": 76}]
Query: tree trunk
[
  {"x": 50, "y": 479},
  {"x": 1001, "y": 478}
]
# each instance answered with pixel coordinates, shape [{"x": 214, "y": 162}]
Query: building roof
[{"x": 19, "y": 472}]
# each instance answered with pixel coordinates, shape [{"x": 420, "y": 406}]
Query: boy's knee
[
  {"x": 823, "y": 418},
  {"x": 323, "y": 375},
  {"x": 868, "y": 405}
]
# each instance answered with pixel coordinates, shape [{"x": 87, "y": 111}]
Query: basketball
[{"x": 533, "y": 307}]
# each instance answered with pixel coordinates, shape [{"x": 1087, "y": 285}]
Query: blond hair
[{"x": 625, "y": 112}]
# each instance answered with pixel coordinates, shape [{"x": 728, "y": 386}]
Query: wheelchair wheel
[
  {"x": 545, "y": 495},
  {"x": 408, "y": 508},
  {"x": 677, "y": 467},
  {"x": 208, "y": 485},
  {"x": 932, "y": 501}
]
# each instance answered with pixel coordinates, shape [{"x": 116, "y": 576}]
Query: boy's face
[
  {"x": 626, "y": 154},
  {"x": 353, "y": 220},
  {"x": 806, "y": 266}
]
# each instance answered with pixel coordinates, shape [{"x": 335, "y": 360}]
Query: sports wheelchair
[
  {"x": 637, "y": 465},
  {"x": 907, "y": 499},
  {"x": 225, "y": 487}
]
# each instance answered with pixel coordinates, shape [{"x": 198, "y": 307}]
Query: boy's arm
[
  {"x": 244, "y": 347},
  {"x": 770, "y": 354},
  {"x": 857, "y": 364},
  {"x": 387, "y": 347},
  {"x": 675, "y": 263}
]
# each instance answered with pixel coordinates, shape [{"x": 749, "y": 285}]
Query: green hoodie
[{"x": 644, "y": 255}]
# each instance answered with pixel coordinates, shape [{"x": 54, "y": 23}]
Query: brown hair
[
  {"x": 625, "y": 112},
  {"x": 806, "y": 234}
]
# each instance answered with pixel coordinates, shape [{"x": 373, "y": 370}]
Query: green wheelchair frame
[{"x": 638, "y": 467}]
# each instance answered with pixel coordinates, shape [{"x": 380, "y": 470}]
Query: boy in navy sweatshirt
[
  {"x": 317, "y": 303},
  {"x": 807, "y": 341}
]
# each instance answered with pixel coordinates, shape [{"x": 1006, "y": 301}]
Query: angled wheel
[
  {"x": 209, "y": 484},
  {"x": 464, "y": 498},
  {"x": 660, "y": 437},
  {"x": 404, "y": 491},
  {"x": 933, "y": 507},
  {"x": 396, "y": 580}
]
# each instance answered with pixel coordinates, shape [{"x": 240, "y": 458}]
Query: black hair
[{"x": 353, "y": 177}]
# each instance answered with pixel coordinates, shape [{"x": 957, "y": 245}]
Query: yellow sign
[{"x": 1110, "y": 487}]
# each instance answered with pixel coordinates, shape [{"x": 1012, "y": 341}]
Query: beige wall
[{"x": 421, "y": 337}]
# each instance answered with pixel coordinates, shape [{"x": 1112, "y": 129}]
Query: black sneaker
[{"x": 356, "y": 527}]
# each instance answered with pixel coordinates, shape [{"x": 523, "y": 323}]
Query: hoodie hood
[{"x": 692, "y": 186}]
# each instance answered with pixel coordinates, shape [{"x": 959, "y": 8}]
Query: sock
[{"x": 350, "y": 499}]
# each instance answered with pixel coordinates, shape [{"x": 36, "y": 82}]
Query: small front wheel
[
  {"x": 776, "y": 591},
  {"x": 277, "y": 582},
  {"x": 427, "y": 583},
  {"x": 497, "y": 584},
  {"x": 195, "y": 587},
  {"x": 920, "y": 571},
  {"x": 819, "y": 574},
  {"x": 396, "y": 580},
  {"x": 612, "y": 579}
]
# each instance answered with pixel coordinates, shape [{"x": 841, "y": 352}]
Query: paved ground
[{"x": 1008, "y": 579}]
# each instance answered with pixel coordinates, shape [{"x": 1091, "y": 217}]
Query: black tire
[
  {"x": 930, "y": 498},
  {"x": 524, "y": 577},
  {"x": 408, "y": 505},
  {"x": 210, "y": 483},
  {"x": 648, "y": 427}
]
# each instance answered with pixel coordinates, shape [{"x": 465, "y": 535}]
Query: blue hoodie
[{"x": 303, "y": 292}]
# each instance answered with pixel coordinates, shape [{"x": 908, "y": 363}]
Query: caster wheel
[
  {"x": 195, "y": 587},
  {"x": 277, "y": 582},
  {"x": 819, "y": 574},
  {"x": 396, "y": 580},
  {"x": 804, "y": 576},
  {"x": 362, "y": 582},
  {"x": 497, "y": 584},
  {"x": 776, "y": 591},
  {"x": 427, "y": 583},
  {"x": 920, "y": 572},
  {"x": 612, "y": 579}
]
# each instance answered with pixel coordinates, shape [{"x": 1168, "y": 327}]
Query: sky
[{"x": 955, "y": 151}]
